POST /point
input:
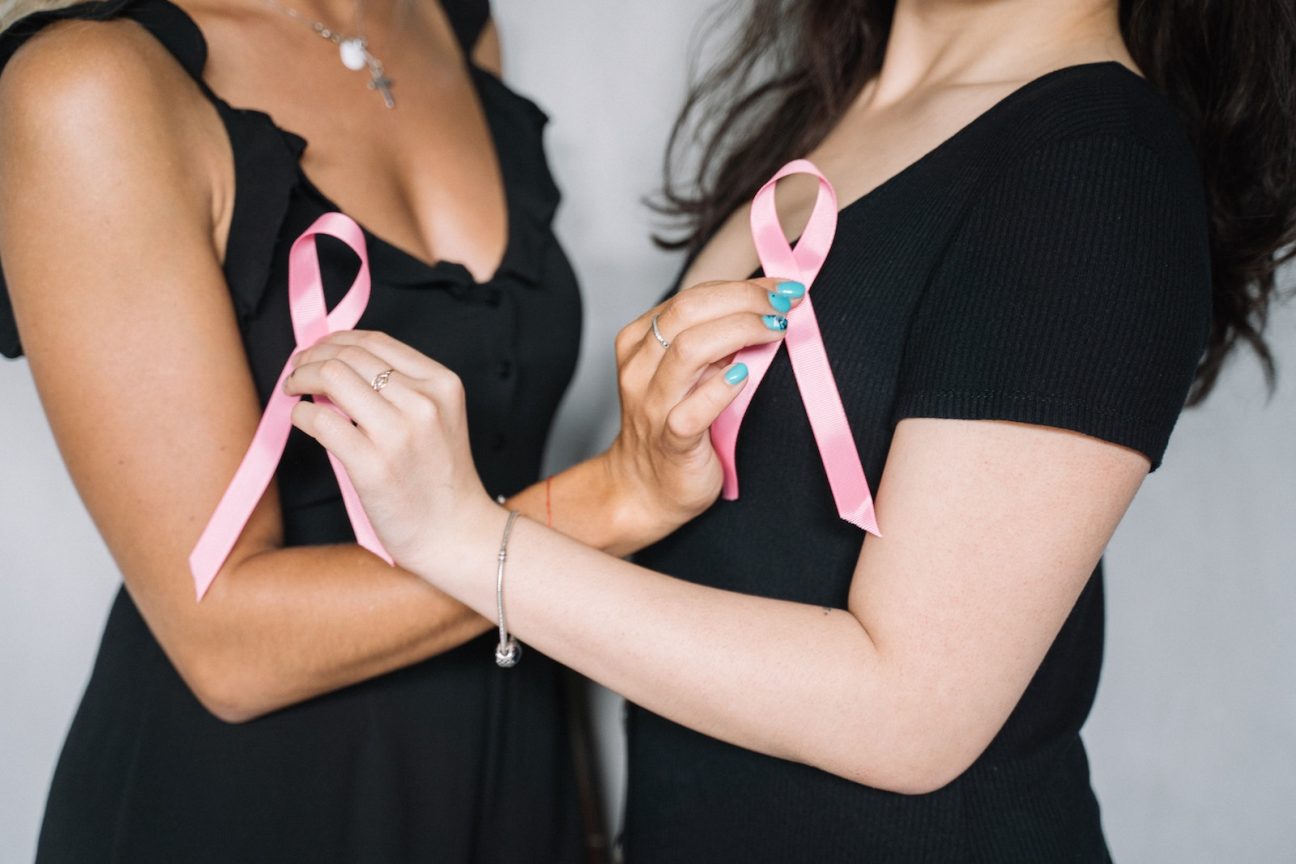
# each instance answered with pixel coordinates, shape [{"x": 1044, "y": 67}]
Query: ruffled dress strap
[
  {"x": 468, "y": 18},
  {"x": 167, "y": 22}
]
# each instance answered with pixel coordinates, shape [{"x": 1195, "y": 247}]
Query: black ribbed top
[{"x": 1049, "y": 264}]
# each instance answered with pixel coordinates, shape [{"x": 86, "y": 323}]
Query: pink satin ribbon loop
[
  {"x": 806, "y": 351},
  {"x": 311, "y": 321}
]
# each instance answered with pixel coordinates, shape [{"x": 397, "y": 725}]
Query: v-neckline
[
  {"x": 936, "y": 151},
  {"x": 440, "y": 264},
  {"x": 980, "y": 119},
  {"x": 415, "y": 261}
]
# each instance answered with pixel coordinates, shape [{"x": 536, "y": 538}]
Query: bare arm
[
  {"x": 950, "y": 614},
  {"x": 991, "y": 531},
  {"x": 108, "y": 195}
]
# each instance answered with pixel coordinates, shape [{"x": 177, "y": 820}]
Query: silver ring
[
  {"x": 380, "y": 380},
  {"x": 656, "y": 331}
]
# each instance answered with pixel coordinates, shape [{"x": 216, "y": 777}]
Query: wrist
[
  {"x": 636, "y": 517},
  {"x": 452, "y": 556}
]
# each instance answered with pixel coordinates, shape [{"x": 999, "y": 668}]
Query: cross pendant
[{"x": 379, "y": 81}]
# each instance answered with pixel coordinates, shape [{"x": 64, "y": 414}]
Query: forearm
[
  {"x": 286, "y": 625},
  {"x": 588, "y": 503},
  {"x": 314, "y": 619},
  {"x": 993, "y": 531},
  {"x": 786, "y": 679}
]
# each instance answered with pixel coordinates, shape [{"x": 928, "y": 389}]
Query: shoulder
[
  {"x": 98, "y": 95},
  {"x": 82, "y": 68},
  {"x": 98, "y": 124},
  {"x": 1090, "y": 116},
  {"x": 1087, "y": 201},
  {"x": 1090, "y": 151}
]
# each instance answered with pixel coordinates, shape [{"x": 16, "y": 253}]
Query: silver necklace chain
[{"x": 353, "y": 50}]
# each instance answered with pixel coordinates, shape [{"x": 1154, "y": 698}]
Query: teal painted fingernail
[
  {"x": 790, "y": 289},
  {"x": 780, "y": 303},
  {"x": 775, "y": 322},
  {"x": 737, "y": 373}
]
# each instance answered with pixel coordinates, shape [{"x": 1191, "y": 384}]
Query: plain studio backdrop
[{"x": 1194, "y": 736}]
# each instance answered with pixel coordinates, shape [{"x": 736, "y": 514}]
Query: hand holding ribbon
[
  {"x": 806, "y": 351},
  {"x": 311, "y": 321}
]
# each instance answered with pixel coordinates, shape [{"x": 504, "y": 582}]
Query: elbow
[
  {"x": 904, "y": 777},
  {"x": 901, "y": 733},
  {"x": 219, "y": 664},
  {"x": 910, "y": 762},
  {"x": 925, "y": 779},
  {"x": 231, "y": 692},
  {"x": 231, "y": 711}
]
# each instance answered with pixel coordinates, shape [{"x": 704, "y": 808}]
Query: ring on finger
[
  {"x": 657, "y": 334},
  {"x": 381, "y": 380}
]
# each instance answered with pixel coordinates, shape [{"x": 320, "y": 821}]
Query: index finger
[
  {"x": 391, "y": 351},
  {"x": 712, "y": 301}
]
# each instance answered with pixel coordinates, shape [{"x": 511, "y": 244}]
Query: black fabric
[
  {"x": 450, "y": 760},
  {"x": 1048, "y": 264},
  {"x": 468, "y": 18}
]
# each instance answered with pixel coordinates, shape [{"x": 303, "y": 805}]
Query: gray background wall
[{"x": 1193, "y": 741}]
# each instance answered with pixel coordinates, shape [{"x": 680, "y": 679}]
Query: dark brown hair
[{"x": 1228, "y": 66}]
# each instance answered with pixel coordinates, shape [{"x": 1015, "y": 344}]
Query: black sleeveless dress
[{"x": 450, "y": 760}]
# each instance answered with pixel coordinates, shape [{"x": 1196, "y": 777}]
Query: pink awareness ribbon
[
  {"x": 311, "y": 321},
  {"x": 806, "y": 351}
]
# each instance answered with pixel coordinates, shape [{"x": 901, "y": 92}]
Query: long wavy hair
[{"x": 1228, "y": 66}]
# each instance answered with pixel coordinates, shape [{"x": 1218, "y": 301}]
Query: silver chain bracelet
[{"x": 508, "y": 652}]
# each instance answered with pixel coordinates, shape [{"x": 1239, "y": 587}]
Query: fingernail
[
  {"x": 780, "y": 303},
  {"x": 792, "y": 290},
  {"x": 775, "y": 322},
  {"x": 737, "y": 373}
]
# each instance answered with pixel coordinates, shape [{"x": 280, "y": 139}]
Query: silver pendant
[
  {"x": 379, "y": 81},
  {"x": 353, "y": 54}
]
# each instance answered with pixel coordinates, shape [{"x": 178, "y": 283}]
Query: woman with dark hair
[
  {"x": 317, "y": 705},
  {"x": 1063, "y": 215}
]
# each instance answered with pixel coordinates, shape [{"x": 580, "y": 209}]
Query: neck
[
  {"x": 341, "y": 14},
  {"x": 939, "y": 43}
]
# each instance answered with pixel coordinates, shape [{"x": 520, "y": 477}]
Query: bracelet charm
[{"x": 508, "y": 652}]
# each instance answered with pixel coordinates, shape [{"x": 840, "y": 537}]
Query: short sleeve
[{"x": 1076, "y": 293}]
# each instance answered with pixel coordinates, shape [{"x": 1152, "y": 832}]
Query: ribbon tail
[
  {"x": 828, "y": 421},
  {"x": 244, "y": 491},
  {"x": 859, "y": 513},
  {"x": 724, "y": 431},
  {"x": 724, "y": 440},
  {"x": 363, "y": 529},
  {"x": 365, "y": 534}
]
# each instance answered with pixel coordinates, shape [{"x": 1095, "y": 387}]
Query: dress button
[
  {"x": 504, "y": 370},
  {"x": 494, "y": 297},
  {"x": 501, "y": 442}
]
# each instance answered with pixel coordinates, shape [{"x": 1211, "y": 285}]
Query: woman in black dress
[
  {"x": 148, "y": 202},
  {"x": 1060, "y": 215}
]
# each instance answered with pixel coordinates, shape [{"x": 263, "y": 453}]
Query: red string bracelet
[{"x": 549, "y": 502}]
